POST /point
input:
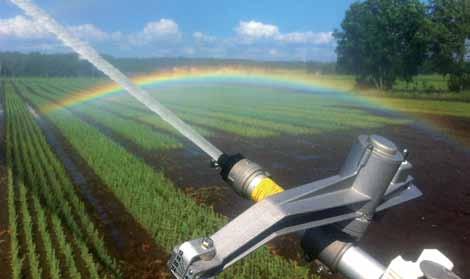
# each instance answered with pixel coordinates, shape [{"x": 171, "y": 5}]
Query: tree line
[
  {"x": 16, "y": 64},
  {"x": 381, "y": 41}
]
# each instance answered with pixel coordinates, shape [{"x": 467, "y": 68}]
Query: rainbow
[
  {"x": 256, "y": 75},
  {"x": 299, "y": 79}
]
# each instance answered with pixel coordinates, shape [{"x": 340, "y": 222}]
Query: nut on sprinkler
[{"x": 247, "y": 178}]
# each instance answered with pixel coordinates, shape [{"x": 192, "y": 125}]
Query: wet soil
[
  {"x": 4, "y": 227},
  {"x": 126, "y": 239},
  {"x": 437, "y": 220},
  {"x": 455, "y": 127},
  {"x": 440, "y": 219}
]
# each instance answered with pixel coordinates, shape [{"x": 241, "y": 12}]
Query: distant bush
[{"x": 459, "y": 82}]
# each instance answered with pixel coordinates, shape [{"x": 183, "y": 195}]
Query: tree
[
  {"x": 383, "y": 40},
  {"x": 449, "y": 45}
]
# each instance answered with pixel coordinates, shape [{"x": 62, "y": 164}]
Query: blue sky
[{"x": 265, "y": 30}]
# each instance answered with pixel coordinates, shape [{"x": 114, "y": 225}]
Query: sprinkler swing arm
[{"x": 330, "y": 214}]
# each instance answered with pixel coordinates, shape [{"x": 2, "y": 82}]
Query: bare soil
[{"x": 440, "y": 219}]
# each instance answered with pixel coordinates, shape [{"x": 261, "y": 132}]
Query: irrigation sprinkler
[{"x": 330, "y": 214}]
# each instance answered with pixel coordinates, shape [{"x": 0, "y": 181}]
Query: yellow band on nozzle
[{"x": 267, "y": 187}]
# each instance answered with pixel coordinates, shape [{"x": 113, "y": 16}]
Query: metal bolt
[
  {"x": 405, "y": 153},
  {"x": 214, "y": 164},
  {"x": 207, "y": 243}
]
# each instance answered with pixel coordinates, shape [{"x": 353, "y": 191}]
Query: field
[{"x": 105, "y": 188}]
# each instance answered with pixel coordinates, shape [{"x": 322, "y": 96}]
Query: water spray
[
  {"x": 243, "y": 175},
  {"x": 330, "y": 214},
  {"x": 91, "y": 55}
]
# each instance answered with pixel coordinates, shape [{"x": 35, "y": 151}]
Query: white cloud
[
  {"x": 163, "y": 37},
  {"x": 161, "y": 30},
  {"x": 203, "y": 38},
  {"x": 21, "y": 27},
  {"x": 306, "y": 37},
  {"x": 256, "y": 30},
  {"x": 89, "y": 32},
  {"x": 29, "y": 33}
]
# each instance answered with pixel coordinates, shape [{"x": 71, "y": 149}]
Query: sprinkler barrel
[{"x": 247, "y": 178}]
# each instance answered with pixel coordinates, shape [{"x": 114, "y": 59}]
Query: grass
[
  {"x": 436, "y": 107},
  {"x": 422, "y": 87},
  {"x": 32, "y": 254},
  {"x": 426, "y": 94},
  {"x": 246, "y": 111},
  {"x": 133, "y": 131},
  {"x": 240, "y": 111},
  {"x": 148, "y": 194},
  {"x": 256, "y": 112},
  {"x": 40, "y": 184},
  {"x": 46, "y": 239}
]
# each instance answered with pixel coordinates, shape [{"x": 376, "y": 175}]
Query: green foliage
[
  {"x": 44, "y": 184},
  {"x": 127, "y": 128},
  {"x": 449, "y": 46},
  {"x": 46, "y": 239},
  {"x": 382, "y": 40},
  {"x": 147, "y": 194},
  {"x": 438, "y": 107},
  {"x": 242, "y": 110},
  {"x": 65, "y": 248},
  {"x": 256, "y": 112},
  {"x": 16, "y": 261},
  {"x": 27, "y": 222},
  {"x": 459, "y": 82},
  {"x": 35, "y": 64}
]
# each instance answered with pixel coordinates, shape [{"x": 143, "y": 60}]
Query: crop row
[
  {"x": 269, "y": 121},
  {"x": 229, "y": 123},
  {"x": 139, "y": 113},
  {"x": 136, "y": 132},
  {"x": 272, "y": 110},
  {"x": 48, "y": 219},
  {"x": 153, "y": 200},
  {"x": 249, "y": 114},
  {"x": 111, "y": 105}
]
